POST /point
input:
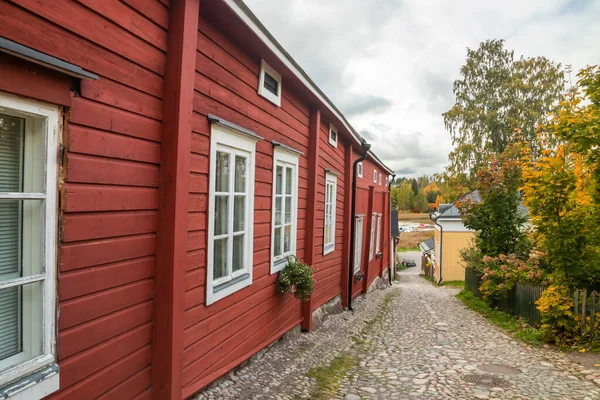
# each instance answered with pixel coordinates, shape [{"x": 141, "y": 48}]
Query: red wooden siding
[
  {"x": 110, "y": 171},
  {"x": 222, "y": 335}
]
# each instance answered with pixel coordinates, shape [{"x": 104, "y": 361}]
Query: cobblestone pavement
[{"x": 420, "y": 343}]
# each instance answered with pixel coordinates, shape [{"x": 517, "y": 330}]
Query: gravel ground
[{"x": 419, "y": 343}]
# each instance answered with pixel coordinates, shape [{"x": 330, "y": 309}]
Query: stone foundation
[{"x": 333, "y": 306}]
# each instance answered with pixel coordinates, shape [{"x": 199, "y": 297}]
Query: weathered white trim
[{"x": 48, "y": 115}]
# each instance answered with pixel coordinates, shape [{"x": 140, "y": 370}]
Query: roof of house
[
  {"x": 248, "y": 18},
  {"x": 451, "y": 211},
  {"x": 427, "y": 245}
]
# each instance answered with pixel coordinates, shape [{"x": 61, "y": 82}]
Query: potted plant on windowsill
[{"x": 297, "y": 279}]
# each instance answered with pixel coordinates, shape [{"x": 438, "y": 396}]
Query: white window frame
[
  {"x": 275, "y": 99},
  {"x": 330, "y": 181},
  {"x": 333, "y": 141},
  {"x": 359, "y": 168},
  {"x": 358, "y": 243},
  {"x": 378, "y": 241},
  {"x": 40, "y": 119},
  {"x": 375, "y": 176},
  {"x": 226, "y": 139},
  {"x": 372, "y": 241},
  {"x": 380, "y": 179},
  {"x": 286, "y": 159}
]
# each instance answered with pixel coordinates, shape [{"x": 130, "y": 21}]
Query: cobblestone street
[{"x": 411, "y": 341}]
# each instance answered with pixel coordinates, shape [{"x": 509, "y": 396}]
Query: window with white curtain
[
  {"x": 231, "y": 210},
  {"x": 372, "y": 241},
  {"x": 28, "y": 211},
  {"x": 285, "y": 208},
  {"x": 330, "y": 206}
]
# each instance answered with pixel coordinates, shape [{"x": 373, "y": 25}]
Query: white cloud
[{"x": 389, "y": 65}]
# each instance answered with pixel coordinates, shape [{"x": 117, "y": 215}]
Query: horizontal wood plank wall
[
  {"x": 454, "y": 242},
  {"x": 328, "y": 268},
  {"x": 222, "y": 335},
  {"x": 109, "y": 195}
]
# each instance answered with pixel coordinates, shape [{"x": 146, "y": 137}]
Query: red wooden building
[{"x": 159, "y": 159}]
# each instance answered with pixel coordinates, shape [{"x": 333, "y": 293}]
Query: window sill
[
  {"x": 279, "y": 265},
  {"x": 328, "y": 250},
  {"x": 34, "y": 386}
]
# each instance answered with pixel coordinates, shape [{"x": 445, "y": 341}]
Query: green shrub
[
  {"x": 559, "y": 324},
  {"x": 297, "y": 279}
]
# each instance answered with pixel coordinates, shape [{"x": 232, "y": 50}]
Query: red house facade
[{"x": 159, "y": 161}]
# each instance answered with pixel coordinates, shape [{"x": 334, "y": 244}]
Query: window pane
[
  {"x": 288, "y": 181},
  {"x": 11, "y": 153},
  {"x": 287, "y": 238},
  {"x": 10, "y": 321},
  {"x": 288, "y": 210},
  {"x": 278, "y": 211},
  {"x": 220, "y": 259},
  {"x": 239, "y": 219},
  {"x": 277, "y": 242},
  {"x": 21, "y": 311},
  {"x": 279, "y": 180},
  {"x": 271, "y": 84},
  {"x": 10, "y": 239},
  {"x": 238, "y": 252},
  {"x": 240, "y": 174},
  {"x": 221, "y": 217},
  {"x": 222, "y": 173},
  {"x": 21, "y": 239}
]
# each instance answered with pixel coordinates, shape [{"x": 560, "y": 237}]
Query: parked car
[{"x": 409, "y": 263}]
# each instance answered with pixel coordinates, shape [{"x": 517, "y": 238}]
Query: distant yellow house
[{"x": 450, "y": 237}]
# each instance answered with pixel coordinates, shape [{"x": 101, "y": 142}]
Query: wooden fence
[
  {"x": 585, "y": 305},
  {"x": 522, "y": 299}
]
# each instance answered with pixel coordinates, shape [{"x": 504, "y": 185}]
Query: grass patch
[
  {"x": 401, "y": 267},
  {"x": 329, "y": 377},
  {"x": 457, "y": 284},
  {"x": 427, "y": 278},
  {"x": 519, "y": 330},
  {"x": 420, "y": 218}
]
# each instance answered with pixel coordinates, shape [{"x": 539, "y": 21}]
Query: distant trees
[
  {"x": 496, "y": 94},
  {"x": 419, "y": 194}
]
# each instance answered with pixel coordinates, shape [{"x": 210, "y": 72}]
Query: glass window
[
  {"x": 333, "y": 135},
  {"x": 330, "y": 209},
  {"x": 378, "y": 242},
  {"x": 28, "y": 210},
  {"x": 269, "y": 83},
  {"x": 231, "y": 207},
  {"x": 285, "y": 208},
  {"x": 372, "y": 241},
  {"x": 375, "y": 176},
  {"x": 359, "y": 168},
  {"x": 358, "y": 244}
]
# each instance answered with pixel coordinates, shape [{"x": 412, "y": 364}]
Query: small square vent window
[
  {"x": 333, "y": 135},
  {"x": 269, "y": 84}
]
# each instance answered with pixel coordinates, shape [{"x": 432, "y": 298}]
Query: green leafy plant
[
  {"x": 297, "y": 279},
  {"x": 559, "y": 324}
]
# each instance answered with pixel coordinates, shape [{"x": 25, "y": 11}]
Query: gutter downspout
[
  {"x": 365, "y": 146},
  {"x": 392, "y": 264},
  {"x": 441, "y": 245}
]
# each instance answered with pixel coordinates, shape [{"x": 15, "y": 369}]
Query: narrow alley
[{"x": 412, "y": 340}]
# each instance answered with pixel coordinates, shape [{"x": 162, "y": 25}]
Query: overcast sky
[{"x": 389, "y": 65}]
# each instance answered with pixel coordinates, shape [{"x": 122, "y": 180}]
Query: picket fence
[{"x": 522, "y": 299}]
